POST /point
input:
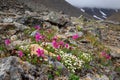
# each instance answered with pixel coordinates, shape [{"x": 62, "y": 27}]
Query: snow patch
[
  {"x": 82, "y": 10},
  {"x": 103, "y": 13},
  {"x": 104, "y": 17},
  {"x": 97, "y": 17}
]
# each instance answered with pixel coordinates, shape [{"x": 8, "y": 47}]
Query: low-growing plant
[
  {"x": 67, "y": 52},
  {"x": 2, "y": 48},
  {"x": 75, "y": 63},
  {"x": 73, "y": 77}
]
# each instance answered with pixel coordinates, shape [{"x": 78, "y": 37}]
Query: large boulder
[
  {"x": 56, "y": 19},
  {"x": 12, "y": 68}
]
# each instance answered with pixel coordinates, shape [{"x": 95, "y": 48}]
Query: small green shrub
[{"x": 73, "y": 77}]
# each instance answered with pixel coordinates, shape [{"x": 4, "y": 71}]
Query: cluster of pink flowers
[
  {"x": 40, "y": 53},
  {"x": 38, "y": 37},
  {"x": 55, "y": 38},
  {"x": 58, "y": 57},
  {"x": 76, "y": 36},
  {"x": 7, "y": 41},
  {"x": 37, "y": 27},
  {"x": 67, "y": 46},
  {"x": 105, "y": 55},
  {"x": 55, "y": 44},
  {"x": 20, "y": 53},
  {"x": 59, "y": 44}
]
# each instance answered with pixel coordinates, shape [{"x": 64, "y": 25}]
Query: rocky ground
[{"x": 19, "y": 26}]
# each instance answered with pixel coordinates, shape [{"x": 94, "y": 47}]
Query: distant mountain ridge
[{"x": 99, "y": 13}]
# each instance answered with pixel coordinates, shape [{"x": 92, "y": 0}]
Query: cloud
[{"x": 112, "y": 4}]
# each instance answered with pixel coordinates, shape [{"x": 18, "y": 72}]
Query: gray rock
[
  {"x": 80, "y": 34},
  {"x": 56, "y": 18},
  {"x": 12, "y": 68},
  {"x": 59, "y": 66},
  {"x": 115, "y": 51},
  {"x": 8, "y": 20},
  {"x": 8, "y": 69},
  {"x": 95, "y": 77},
  {"x": 47, "y": 25},
  {"x": 22, "y": 19},
  {"x": 13, "y": 38},
  {"x": 33, "y": 33},
  {"x": 11, "y": 32},
  {"x": 13, "y": 44},
  {"x": 20, "y": 26},
  {"x": 31, "y": 13}
]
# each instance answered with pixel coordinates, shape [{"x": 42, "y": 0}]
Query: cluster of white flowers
[
  {"x": 85, "y": 57},
  {"x": 72, "y": 62},
  {"x": 24, "y": 48}
]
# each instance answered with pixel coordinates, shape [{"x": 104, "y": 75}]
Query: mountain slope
[
  {"x": 55, "y": 5},
  {"x": 115, "y": 17}
]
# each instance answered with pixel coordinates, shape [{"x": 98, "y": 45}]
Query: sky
[{"x": 112, "y": 4}]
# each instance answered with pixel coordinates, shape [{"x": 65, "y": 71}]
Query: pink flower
[
  {"x": 7, "y": 42},
  {"x": 55, "y": 44},
  {"x": 20, "y": 53},
  {"x": 103, "y": 54},
  {"x": 37, "y": 27},
  {"x": 61, "y": 43},
  {"x": 38, "y": 37},
  {"x": 76, "y": 36},
  {"x": 108, "y": 57},
  {"x": 58, "y": 57},
  {"x": 40, "y": 53},
  {"x": 55, "y": 38},
  {"x": 67, "y": 46}
]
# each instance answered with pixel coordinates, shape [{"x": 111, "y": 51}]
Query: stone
[
  {"x": 47, "y": 25},
  {"x": 8, "y": 20},
  {"x": 58, "y": 65},
  {"x": 13, "y": 38},
  {"x": 69, "y": 34},
  {"x": 62, "y": 36},
  {"x": 13, "y": 68},
  {"x": 115, "y": 51},
  {"x": 56, "y": 18},
  {"x": 72, "y": 30},
  {"x": 61, "y": 78},
  {"x": 33, "y": 33},
  {"x": 11, "y": 32},
  {"x": 15, "y": 43},
  {"x": 95, "y": 77},
  {"x": 8, "y": 69},
  {"x": 22, "y": 19},
  {"x": 20, "y": 26}
]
